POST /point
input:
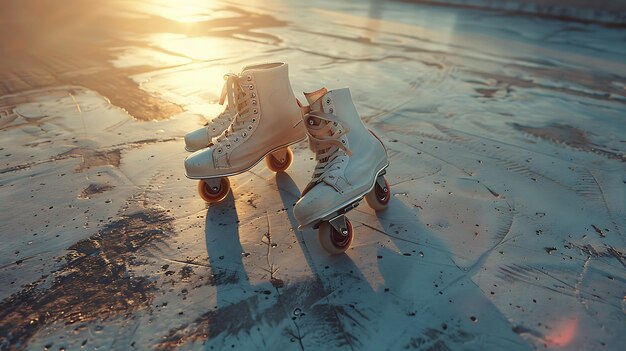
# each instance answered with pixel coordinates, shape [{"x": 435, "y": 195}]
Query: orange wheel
[
  {"x": 333, "y": 241},
  {"x": 213, "y": 195},
  {"x": 277, "y": 165},
  {"x": 378, "y": 198}
]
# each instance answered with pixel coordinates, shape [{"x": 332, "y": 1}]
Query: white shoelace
[
  {"x": 223, "y": 118},
  {"x": 239, "y": 101},
  {"x": 221, "y": 121},
  {"x": 325, "y": 140}
]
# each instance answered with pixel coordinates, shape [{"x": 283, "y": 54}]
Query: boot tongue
[
  {"x": 316, "y": 125},
  {"x": 314, "y": 98}
]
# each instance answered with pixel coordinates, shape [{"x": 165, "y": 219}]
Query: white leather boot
[
  {"x": 351, "y": 162},
  {"x": 201, "y": 137},
  {"x": 268, "y": 120}
]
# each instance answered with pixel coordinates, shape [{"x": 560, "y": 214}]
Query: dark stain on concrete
[
  {"x": 94, "y": 283},
  {"x": 93, "y": 189},
  {"x": 569, "y": 136}
]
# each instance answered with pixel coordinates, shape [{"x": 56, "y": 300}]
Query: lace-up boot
[
  {"x": 351, "y": 162},
  {"x": 267, "y": 121}
]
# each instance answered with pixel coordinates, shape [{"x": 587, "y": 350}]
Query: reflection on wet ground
[{"x": 506, "y": 141}]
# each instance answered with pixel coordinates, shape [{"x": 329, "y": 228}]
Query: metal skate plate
[
  {"x": 340, "y": 225},
  {"x": 343, "y": 210},
  {"x": 339, "y": 213}
]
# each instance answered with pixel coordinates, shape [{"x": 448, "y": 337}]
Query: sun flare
[{"x": 182, "y": 11}]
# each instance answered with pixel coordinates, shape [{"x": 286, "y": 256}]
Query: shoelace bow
[
  {"x": 234, "y": 90},
  {"x": 325, "y": 141}
]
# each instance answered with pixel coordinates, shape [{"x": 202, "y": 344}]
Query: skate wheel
[
  {"x": 379, "y": 197},
  {"x": 212, "y": 195},
  {"x": 277, "y": 165},
  {"x": 333, "y": 241}
]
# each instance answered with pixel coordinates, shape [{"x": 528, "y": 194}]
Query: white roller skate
[
  {"x": 268, "y": 120},
  {"x": 351, "y": 162}
]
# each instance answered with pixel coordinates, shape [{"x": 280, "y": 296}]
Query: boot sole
[
  {"x": 345, "y": 207},
  {"x": 229, "y": 174}
]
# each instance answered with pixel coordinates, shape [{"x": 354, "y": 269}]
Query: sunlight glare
[
  {"x": 563, "y": 334},
  {"x": 182, "y": 11}
]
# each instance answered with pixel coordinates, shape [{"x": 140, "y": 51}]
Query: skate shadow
[
  {"x": 406, "y": 277},
  {"x": 224, "y": 251},
  {"x": 289, "y": 194},
  {"x": 332, "y": 272},
  {"x": 405, "y": 238},
  {"x": 419, "y": 269}
]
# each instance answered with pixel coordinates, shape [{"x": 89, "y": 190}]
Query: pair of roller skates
[{"x": 264, "y": 119}]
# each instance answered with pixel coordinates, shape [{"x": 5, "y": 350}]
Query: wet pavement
[{"x": 506, "y": 137}]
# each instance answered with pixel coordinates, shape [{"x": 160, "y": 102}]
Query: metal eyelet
[
  {"x": 250, "y": 86},
  {"x": 219, "y": 151},
  {"x": 255, "y": 110},
  {"x": 245, "y": 134},
  {"x": 228, "y": 146},
  {"x": 253, "y": 95},
  {"x": 249, "y": 127},
  {"x": 335, "y": 124},
  {"x": 254, "y": 120},
  {"x": 311, "y": 121},
  {"x": 343, "y": 141},
  {"x": 328, "y": 101},
  {"x": 253, "y": 102},
  {"x": 330, "y": 110},
  {"x": 249, "y": 78},
  {"x": 213, "y": 128}
]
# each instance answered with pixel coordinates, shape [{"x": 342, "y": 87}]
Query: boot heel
[{"x": 377, "y": 138}]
